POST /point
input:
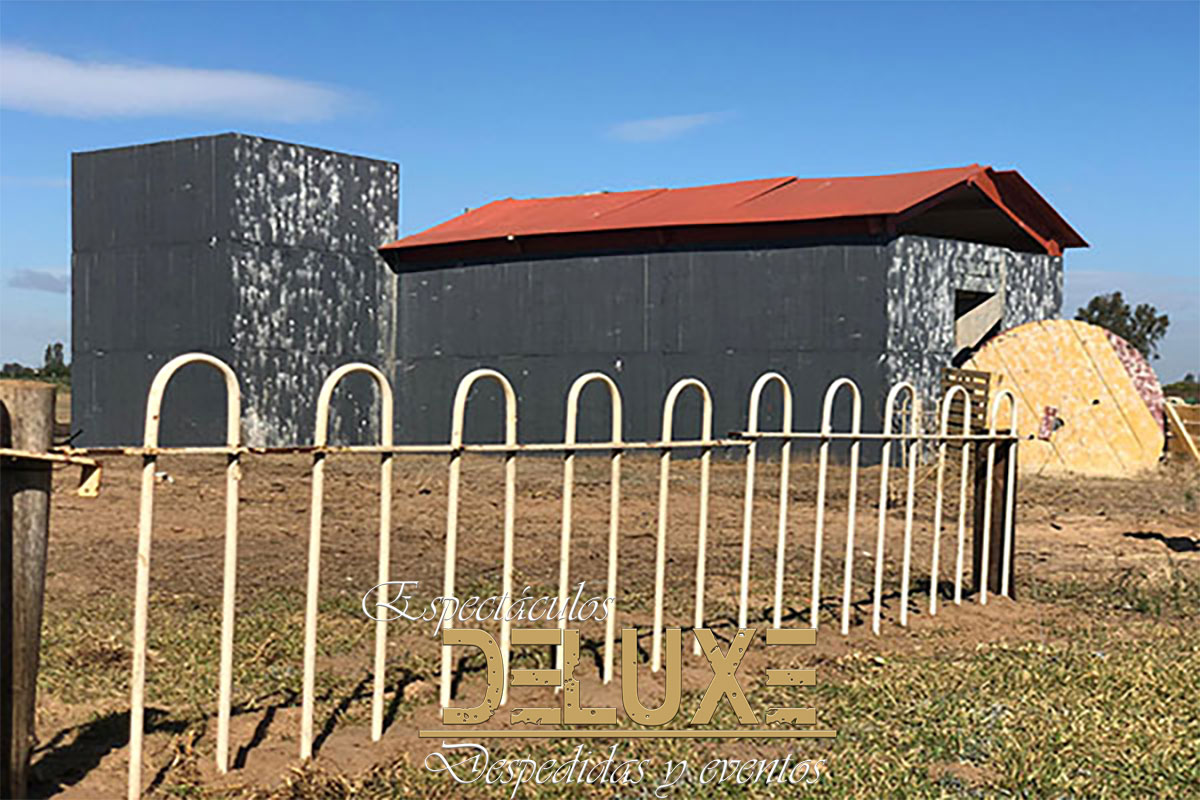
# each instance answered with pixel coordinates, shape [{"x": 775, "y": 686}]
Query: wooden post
[
  {"x": 26, "y": 423},
  {"x": 1004, "y": 451}
]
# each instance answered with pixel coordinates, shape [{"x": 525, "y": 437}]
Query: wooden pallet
[
  {"x": 977, "y": 385},
  {"x": 1183, "y": 429}
]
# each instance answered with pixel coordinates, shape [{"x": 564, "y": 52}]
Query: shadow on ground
[{"x": 1177, "y": 544}]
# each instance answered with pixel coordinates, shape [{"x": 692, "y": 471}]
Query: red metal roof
[{"x": 735, "y": 211}]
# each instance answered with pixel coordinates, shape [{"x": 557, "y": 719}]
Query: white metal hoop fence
[{"x": 912, "y": 439}]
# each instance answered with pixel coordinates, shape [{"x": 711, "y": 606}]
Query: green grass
[
  {"x": 1107, "y": 709},
  {"x": 1105, "y": 705},
  {"x": 1091, "y": 718}
]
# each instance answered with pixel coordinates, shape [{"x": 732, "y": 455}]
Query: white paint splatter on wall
[
  {"x": 922, "y": 279},
  {"x": 311, "y": 293}
]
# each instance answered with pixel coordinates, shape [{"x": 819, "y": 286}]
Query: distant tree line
[
  {"x": 54, "y": 368},
  {"x": 1188, "y": 389}
]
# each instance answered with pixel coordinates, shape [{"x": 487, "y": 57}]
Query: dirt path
[{"x": 1086, "y": 551}]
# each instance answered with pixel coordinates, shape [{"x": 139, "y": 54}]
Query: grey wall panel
[
  {"x": 136, "y": 306},
  {"x": 839, "y": 316},
  {"x": 281, "y": 399},
  {"x": 187, "y": 298},
  {"x": 305, "y": 300},
  {"x": 146, "y": 194},
  {"x": 668, "y": 276},
  {"x": 748, "y": 327},
  {"x": 301, "y": 313},
  {"x": 862, "y": 292},
  {"x": 724, "y": 316},
  {"x": 601, "y": 309},
  {"x": 425, "y": 389},
  {"x": 920, "y": 311},
  {"x": 109, "y": 395},
  {"x": 793, "y": 292}
]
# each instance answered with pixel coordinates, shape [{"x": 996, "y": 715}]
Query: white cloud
[
  {"x": 40, "y": 280},
  {"x": 662, "y": 128},
  {"x": 45, "y": 83}
]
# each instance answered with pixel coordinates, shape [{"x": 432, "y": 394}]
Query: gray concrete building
[{"x": 265, "y": 254}]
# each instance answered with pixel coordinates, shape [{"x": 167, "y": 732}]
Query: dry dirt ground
[{"x": 1102, "y": 567}]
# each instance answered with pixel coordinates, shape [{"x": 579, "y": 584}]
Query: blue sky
[{"x": 1097, "y": 105}]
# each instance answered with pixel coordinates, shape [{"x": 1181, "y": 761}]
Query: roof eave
[{"x": 767, "y": 234}]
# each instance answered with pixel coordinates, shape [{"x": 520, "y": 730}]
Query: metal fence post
[
  {"x": 141, "y": 597},
  {"x": 312, "y": 594},
  {"x": 614, "y": 509},
  {"x": 884, "y": 465},
  {"x": 822, "y": 470},
  {"x": 785, "y": 452},
  {"x": 26, "y": 423},
  {"x": 664, "y": 487},
  {"x": 457, "y": 425}
]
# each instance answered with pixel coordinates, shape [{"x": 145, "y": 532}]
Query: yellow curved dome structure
[{"x": 1092, "y": 401}]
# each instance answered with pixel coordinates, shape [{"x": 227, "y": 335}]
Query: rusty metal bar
[
  {"x": 990, "y": 458},
  {"x": 413, "y": 449},
  {"x": 321, "y": 436},
  {"x": 735, "y": 439},
  {"x": 510, "y": 482},
  {"x": 963, "y": 524},
  {"x": 664, "y": 479},
  {"x": 145, "y": 529},
  {"x": 90, "y": 469},
  {"x": 1010, "y": 491},
  {"x": 951, "y": 437}
]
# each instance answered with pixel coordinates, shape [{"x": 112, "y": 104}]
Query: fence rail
[{"x": 910, "y": 439}]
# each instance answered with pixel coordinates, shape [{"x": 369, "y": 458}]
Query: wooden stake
[
  {"x": 995, "y": 540},
  {"x": 26, "y": 423}
]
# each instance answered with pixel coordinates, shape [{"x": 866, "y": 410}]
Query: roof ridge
[
  {"x": 782, "y": 183},
  {"x": 582, "y": 195},
  {"x": 651, "y": 194}
]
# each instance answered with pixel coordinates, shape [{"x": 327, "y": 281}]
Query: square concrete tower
[{"x": 259, "y": 252}]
